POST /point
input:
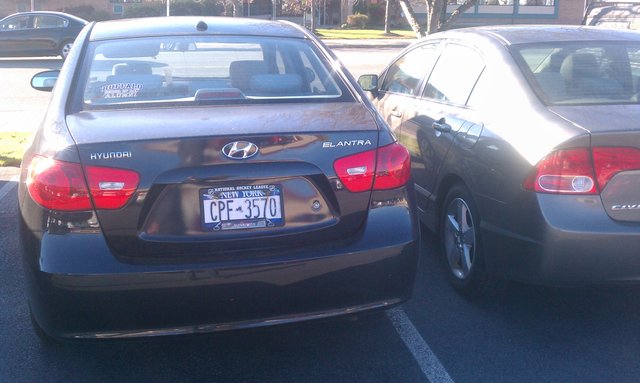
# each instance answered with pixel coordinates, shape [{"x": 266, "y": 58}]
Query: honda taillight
[
  {"x": 385, "y": 168},
  {"x": 57, "y": 185},
  {"x": 111, "y": 188},
  {"x": 581, "y": 171},
  {"x": 61, "y": 186},
  {"x": 567, "y": 171},
  {"x": 611, "y": 160}
]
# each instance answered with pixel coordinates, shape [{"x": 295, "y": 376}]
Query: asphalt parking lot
[
  {"x": 519, "y": 334},
  {"x": 523, "y": 333}
]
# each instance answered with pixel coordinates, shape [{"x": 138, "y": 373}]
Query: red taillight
[
  {"x": 611, "y": 160},
  {"x": 356, "y": 171},
  {"x": 576, "y": 171},
  {"x": 57, "y": 185},
  {"x": 111, "y": 188},
  {"x": 392, "y": 169},
  {"x": 61, "y": 186},
  {"x": 567, "y": 171}
]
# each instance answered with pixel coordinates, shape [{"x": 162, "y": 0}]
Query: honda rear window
[{"x": 584, "y": 73}]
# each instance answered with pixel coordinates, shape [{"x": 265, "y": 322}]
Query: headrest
[
  {"x": 240, "y": 72},
  {"x": 579, "y": 65},
  {"x": 275, "y": 84},
  {"x": 132, "y": 68}
]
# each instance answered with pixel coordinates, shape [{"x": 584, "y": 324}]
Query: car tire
[
  {"x": 461, "y": 243},
  {"x": 65, "y": 47}
]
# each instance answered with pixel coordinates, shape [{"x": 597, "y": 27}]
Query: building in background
[
  {"x": 335, "y": 12},
  {"x": 522, "y": 12}
]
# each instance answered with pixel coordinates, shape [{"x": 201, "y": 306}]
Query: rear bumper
[
  {"x": 90, "y": 294},
  {"x": 567, "y": 241}
]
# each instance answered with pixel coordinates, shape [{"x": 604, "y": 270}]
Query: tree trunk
[
  {"x": 313, "y": 16},
  {"x": 435, "y": 9},
  {"x": 387, "y": 16},
  {"x": 410, "y": 15},
  {"x": 237, "y": 8}
]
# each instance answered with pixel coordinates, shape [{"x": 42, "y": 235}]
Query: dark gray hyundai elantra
[{"x": 204, "y": 174}]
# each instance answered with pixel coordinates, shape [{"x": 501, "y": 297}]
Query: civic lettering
[{"x": 634, "y": 206}]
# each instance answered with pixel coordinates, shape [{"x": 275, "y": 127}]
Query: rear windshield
[
  {"x": 207, "y": 69},
  {"x": 584, "y": 73}
]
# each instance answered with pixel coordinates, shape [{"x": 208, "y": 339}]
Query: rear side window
[
  {"x": 406, "y": 74},
  {"x": 16, "y": 23},
  {"x": 207, "y": 70},
  {"x": 583, "y": 73},
  {"x": 454, "y": 75},
  {"x": 45, "y": 21}
]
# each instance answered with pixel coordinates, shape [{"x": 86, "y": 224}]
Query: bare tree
[
  {"x": 436, "y": 15},
  {"x": 314, "y": 3},
  {"x": 387, "y": 16}
]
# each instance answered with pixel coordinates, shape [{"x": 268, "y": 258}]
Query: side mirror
[
  {"x": 44, "y": 81},
  {"x": 368, "y": 82}
]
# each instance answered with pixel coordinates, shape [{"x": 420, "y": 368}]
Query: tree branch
[{"x": 458, "y": 12}]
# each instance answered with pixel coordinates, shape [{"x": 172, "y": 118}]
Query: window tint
[
  {"x": 44, "y": 21},
  {"x": 16, "y": 23},
  {"x": 405, "y": 75},
  {"x": 206, "y": 69},
  {"x": 593, "y": 73},
  {"x": 454, "y": 75}
]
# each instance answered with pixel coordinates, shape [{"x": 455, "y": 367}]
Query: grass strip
[
  {"x": 12, "y": 145},
  {"x": 363, "y": 34}
]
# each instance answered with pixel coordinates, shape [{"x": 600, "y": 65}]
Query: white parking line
[
  {"x": 427, "y": 360},
  {"x": 8, "y": 187}
]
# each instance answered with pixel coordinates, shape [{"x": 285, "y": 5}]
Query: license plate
[{"x": 241, "y": 207}]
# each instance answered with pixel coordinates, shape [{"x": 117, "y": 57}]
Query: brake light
[
  {"x": 356, "y": 171},
  {"x": 385, "y": 168},
  {"x": 580, "y": 171},
  {"x": 61, "y": 186},
  {"x": 609, "y": 161},
  {"x": 57, "y": 185},
  {"x": 111, "y": 188},
  {"x": 393, "y": 167},
  {"x": 567, "y": 171}
]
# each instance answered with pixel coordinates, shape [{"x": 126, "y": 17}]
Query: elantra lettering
[{"x": 329, "y": 144}]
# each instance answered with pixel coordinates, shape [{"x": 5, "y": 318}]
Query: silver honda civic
[{"x": 525, "y": 145}]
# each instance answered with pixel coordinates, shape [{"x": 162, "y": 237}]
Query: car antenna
[{"x": 202, "y": 26}]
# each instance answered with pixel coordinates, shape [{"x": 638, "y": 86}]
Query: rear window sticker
[{"x": 121, "y": 90}]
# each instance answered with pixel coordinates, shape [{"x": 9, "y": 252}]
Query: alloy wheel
[
  {"x": 459, "y": 238},
  {"x": 64, "y": 51}
]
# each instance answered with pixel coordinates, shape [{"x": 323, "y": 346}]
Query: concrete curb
[{"x": 8, "y": 173}]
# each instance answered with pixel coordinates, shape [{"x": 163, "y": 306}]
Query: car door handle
[
  {"x": 441, "y": 126},
  {"x": 396, "y": 114}
]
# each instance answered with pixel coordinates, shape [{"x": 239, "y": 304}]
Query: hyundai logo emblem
[{"x": 240, "y": 150}]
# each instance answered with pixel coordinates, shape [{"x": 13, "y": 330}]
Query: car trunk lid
[
  {"x": 615, "y": 142},
  {"x": 192, "y": 199}
]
